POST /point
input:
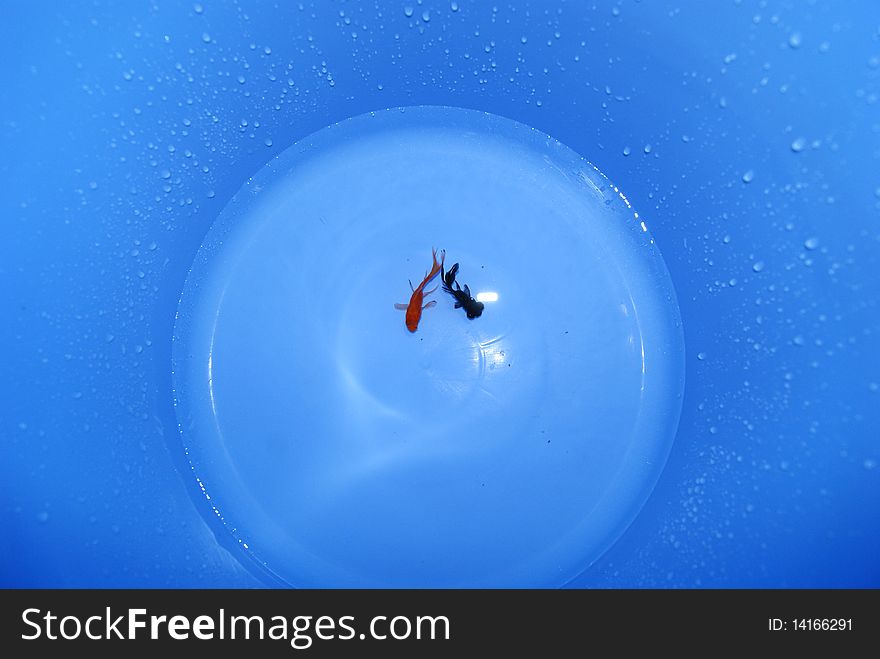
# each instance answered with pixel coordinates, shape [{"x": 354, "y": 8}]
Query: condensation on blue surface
[
  {"x": 744, "y": 132},
  {"x": 510, "y": 450}
]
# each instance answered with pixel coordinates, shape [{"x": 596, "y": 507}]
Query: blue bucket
[{"x": 653, "y": 367}]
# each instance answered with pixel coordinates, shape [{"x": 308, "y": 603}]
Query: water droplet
[
  {"x": 454, "y": 6},
  {"x": 870, "y": 463},
  {"x": 523, "y": 39},
  {"x": 206, "y": 37},
  {"x": 748, "y": 177},
  {"x": 109, "y": 338},
  {"x": 626, "y": 151},
  {"x": 268, "y": 141},
  {"x": 165, "y": 174},
  {"x": 197, "y": 8},
  {"x": 732, "y": 282},
  {"x": 799, "y": 340},
  {"x": 407, "y": 11},
  {"x": 267, "y": 50},
  {"x": 798, "y": 144},
  {"x": 426, "y": 16},
  {"x": 647, "y": 148},
  {"x": 240, "y": 80},
  {"x": 811, "y": 243},
  {"x": 701, "y": 356},
  {"x": 757, "y": 266},
  {"x": 211, "y": 194},
  {"x": 794, "y": 40}
]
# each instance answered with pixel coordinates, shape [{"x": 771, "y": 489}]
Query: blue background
[{"x": 746, "y": 133}]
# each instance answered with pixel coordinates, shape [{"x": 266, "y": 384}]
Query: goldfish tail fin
[{"x": 435, "y": 267}]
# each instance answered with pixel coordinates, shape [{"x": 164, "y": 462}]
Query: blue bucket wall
[{"x": 747, "y": 133}]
